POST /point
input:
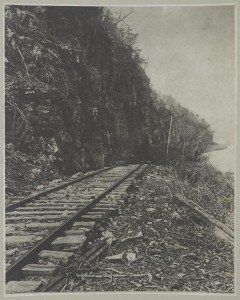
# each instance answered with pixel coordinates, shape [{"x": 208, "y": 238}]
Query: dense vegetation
[{"x": 77, "y": 93}]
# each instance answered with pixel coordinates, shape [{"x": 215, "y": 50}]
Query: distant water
[{"x": 224, "y": 160}]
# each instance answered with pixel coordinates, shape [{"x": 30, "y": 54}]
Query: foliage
[
  {"x": 25, "y": 172},
  {"x": 75, "y": 75},
  {"x": 189, "y": 132},
  {"x": 209, "y": 187}
]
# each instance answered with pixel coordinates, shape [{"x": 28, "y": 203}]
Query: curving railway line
[{"x": 45, "y": 230}]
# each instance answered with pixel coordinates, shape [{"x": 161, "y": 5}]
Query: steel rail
[
  {"x": 13, "y": 206},
  {"x": 14, "y": 270},
  {"x": 87, "y": 258}
]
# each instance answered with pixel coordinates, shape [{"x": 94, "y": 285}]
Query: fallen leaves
[
  {"x": 131, "y": 256},
  {"x": 117, "y": 258},
  {"x": 161, "y": 248},
  {"x": 108, "y": 235}
]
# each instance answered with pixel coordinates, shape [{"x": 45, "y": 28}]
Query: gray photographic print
[{"x": 119, "y": 149}]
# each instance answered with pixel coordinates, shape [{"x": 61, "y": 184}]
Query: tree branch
[
  {"x": 124, "y": 17},
  {"x": 23, "y": 60}
]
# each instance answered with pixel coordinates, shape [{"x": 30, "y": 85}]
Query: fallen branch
[
  {"x": 107, "y": 275},
  {"x": 110, "y": 269},
  {"x": 65, "y": 285},
  {"x": 169, "y": 190},
  {"x": 154, "y": 230},
  {"x": 23, "y": 60},
  {"x": 111, "y": 282},
  {"x": 198, "y": 209}
]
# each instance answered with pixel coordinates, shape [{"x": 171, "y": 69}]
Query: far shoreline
[{"x": 216, "y": 147}]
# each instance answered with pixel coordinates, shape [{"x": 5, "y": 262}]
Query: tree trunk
[{"x": 169, "y": 137}]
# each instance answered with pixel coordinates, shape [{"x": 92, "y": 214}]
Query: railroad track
[{"x": 48, "y": 228}]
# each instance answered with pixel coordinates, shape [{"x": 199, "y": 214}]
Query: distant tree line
[{"x": 76, "y": 89}]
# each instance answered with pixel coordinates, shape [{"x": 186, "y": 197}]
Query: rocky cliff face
[{"x": 76, "y": 89}]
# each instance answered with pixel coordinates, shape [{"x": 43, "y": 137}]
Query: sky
[{"x": 191, "y": 56}]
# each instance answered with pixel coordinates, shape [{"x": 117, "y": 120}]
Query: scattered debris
[
  {"x": 117, "y": 258},
  {"x": 131, "y": 256},
  {"x": 139, "y": 235},
  {"x": 54, "y": 182},
  {"x": 108, "y": 235},
  {"x": 40, "y": 187},
  {"x": 77, "y": 175},
  {"x": 151, "y": 209},
  {"x": 154, "y": 244}
]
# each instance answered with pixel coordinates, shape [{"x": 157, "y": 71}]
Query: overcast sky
[{"x": 192, "y": 58}]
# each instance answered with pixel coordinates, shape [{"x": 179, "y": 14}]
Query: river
[{"x": 224, "y": 160}]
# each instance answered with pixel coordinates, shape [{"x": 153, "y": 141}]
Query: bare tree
[{"x": 122, "y": 18}]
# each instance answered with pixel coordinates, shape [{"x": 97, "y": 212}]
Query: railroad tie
[
  {"x": 69, "y": 242},
  {"x": 38, "y": 270},
  {"x": 15, "y": 287},
  {"x": 62, "y": 221},
  {"x": 55, "y": 256}
]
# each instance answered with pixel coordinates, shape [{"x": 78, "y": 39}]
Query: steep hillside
[{"x": 77, "y": 93}]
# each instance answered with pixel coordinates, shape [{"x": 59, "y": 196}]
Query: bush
[{"x": 207, "y": 186}]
